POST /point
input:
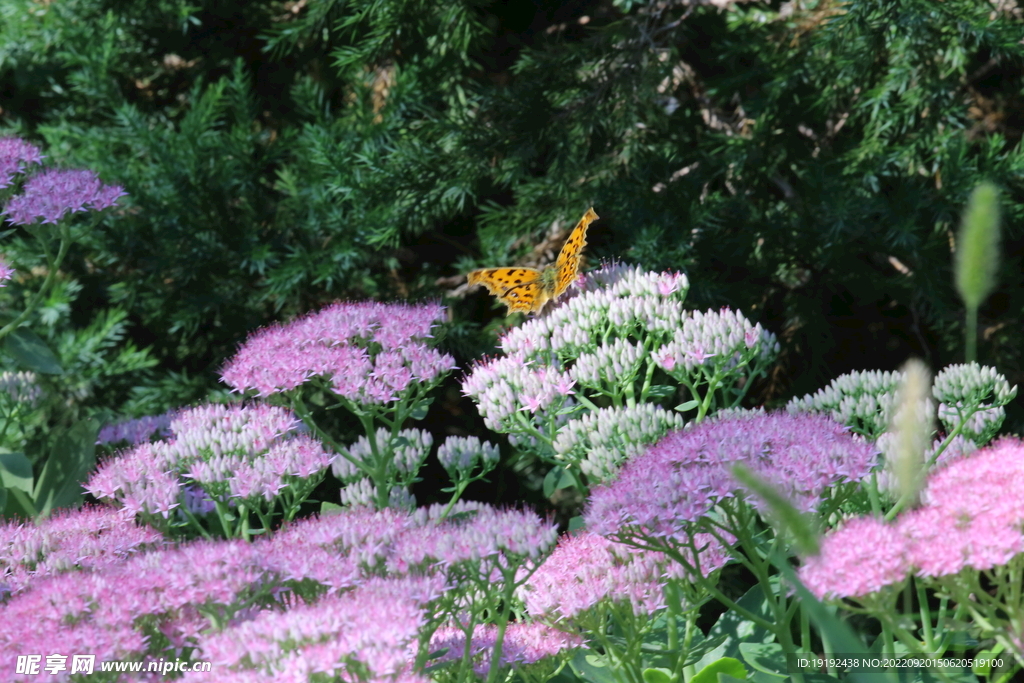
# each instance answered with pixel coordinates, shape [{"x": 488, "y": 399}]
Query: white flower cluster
[
  {"x": 602, "y": 441},
  {"x": 865, "y": 400},
  {"x": 964, "y": 388},
  {"x": 22, "y": 387},
  {"x": 614, "y": 365},
  {"x": 462, "y": 453},
  {"x": 506, "y": 386},
  {"x": 631, "y": 302},
  {"x": 406, "y": 451},
  {"x": 612, "y": 343},
  {"x": 722, "y": 340}
]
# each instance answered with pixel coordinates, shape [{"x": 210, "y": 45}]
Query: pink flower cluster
[
  {"x": 328, "y": 604},
  {"x": 371, "y": 352},
  {"x": 50, "y": 195},
  {"x": 971, "y": 517},
  {"x": 6, "y": 273},
  {"x": 586, "y": 570},
  {"x": 98, "y": 611},
  {"x": 678, "y": 480},
  {"x": 472, "y": 532},
  {"x": 231, "y": 452},
  {"x": 14, "y": 155},
  {"x": 336, "y": 551},
  {"x": 371, "y": 628},
  {"x": 91, "y": 538}
]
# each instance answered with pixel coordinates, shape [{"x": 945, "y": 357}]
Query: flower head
[
  {"x": 586, "y": 570},
  {"x": 91, "y": 538},
  {"x": 724, "y": 339},
  {"x": 617, "y": 302},
  {"x": 679, "y": 479},
  {"x": 231, "y": 452},
  {"x": 21, "y": 387},
  {"x": 373, "y": 625},
  {"x": 462, "y": 453},
  {"x": 15, "y": 153},
  {"x": 370, "y": 352},
  {"x": 52, "y": 194},
  {"x": 405, "y": 453},
  {"x": 864, "y": 555},
  {"x": 504, "y": 386},
  {"x": 862, "y": 400},
  {"x": 971, "y": 518},
  {"x": 601, "y": 441},
  {"x": 472, "y": 533}
]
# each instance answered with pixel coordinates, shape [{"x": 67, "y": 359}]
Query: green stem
[
  {"x": 648, "y": 376},
  {"x": 691, "y": 630},
  {"x": 460, "y": 488},
  {"x": 506, "y": 608},
  {"x": 926, "y": 617},
  {"x": 53, "y": 266},
  {"x": 194, "y": 522},
  {"x": 586, "y": 402}
]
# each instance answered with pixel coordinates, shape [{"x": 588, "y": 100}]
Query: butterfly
[{"x": 526, "y": 290}]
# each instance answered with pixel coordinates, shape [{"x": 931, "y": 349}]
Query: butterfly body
[{"x": 527, "y": 290}]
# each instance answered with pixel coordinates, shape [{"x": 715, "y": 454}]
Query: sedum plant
[
  {"x": 377, "y": 362},
  {"x": 606, "y": 359},
  {"x": 52, "y": 374}
]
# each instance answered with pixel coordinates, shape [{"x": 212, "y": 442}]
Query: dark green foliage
[{"x": 807, "y": 166}]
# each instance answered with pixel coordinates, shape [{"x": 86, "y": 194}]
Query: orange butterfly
[{"x": 527, "y": 289}]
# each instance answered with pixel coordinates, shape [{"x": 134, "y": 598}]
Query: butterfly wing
[
  {"x": 567, "y": 266},
  {"x": 518, "y": 288}
]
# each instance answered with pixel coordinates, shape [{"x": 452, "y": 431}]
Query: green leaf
[
  {"x": 31, "y": 352},
  {"x": 765, "y": 657},
  {"x": 69, "y": 463},
  {"x": 576, "y": 523},
  {"x": 16, "y": 472},
  {"x": 983, "y": 665},
  {"x": 330, "y": 508},
  {"x": 659, "y": 391},
  {"x": 689, "y": 405},
  {"x": 557, "y": 478},
  {"x": 726, "y": 665},
  {"x": 653, "y": 675},
  {"x": 592, "y": 667},
  {"x": 419, "y": 411},
  {"x": 736, "y": 629},
  {"x": 565, "y": 675}
]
